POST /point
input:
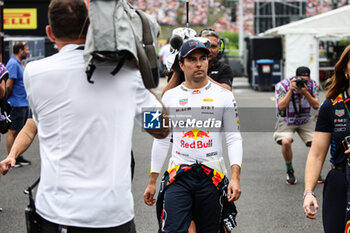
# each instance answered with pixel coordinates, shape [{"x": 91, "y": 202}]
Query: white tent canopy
[{"x": 301, "y": 45}]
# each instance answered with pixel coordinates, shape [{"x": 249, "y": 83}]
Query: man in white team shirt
[
  {"x": 84, "y": 131},
  {"x": 192, "y": 195}
]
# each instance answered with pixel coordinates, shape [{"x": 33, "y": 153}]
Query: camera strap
[
  {"x": 346, "y": 100},
  {"x": 28, "y": 192},
  {"x": 297, "y": 112}
]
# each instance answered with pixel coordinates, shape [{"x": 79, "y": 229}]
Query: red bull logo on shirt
[
  {"x": 339, "y": 99},
  {"x": 196, "y": 134},
  {"x": 197, "y": 144}
]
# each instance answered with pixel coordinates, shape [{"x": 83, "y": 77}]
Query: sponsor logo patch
[
  {"x": 183, "y": 101},
  {"x": 207, "y": 107},
  {"x": 183, "y": 109},
  {"x": 179, "y": 153},
  {"x": 343, "y": 129},
  {"x": 339, "y": 99},
  {"x": 197, "y": 144},
  {"x": 195, "y": 134},
  {"x": 340, "y": 125},
  {"x": 339, "y": 112},
  {"x": 212, "y": 154},
  {"x": 339, "y": 120}
]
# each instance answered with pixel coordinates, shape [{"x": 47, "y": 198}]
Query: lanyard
[
  {"x": 298, "y": 112},
  {"x": 346, "y": 100}
]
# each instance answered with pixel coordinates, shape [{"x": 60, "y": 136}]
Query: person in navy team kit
[{"x": 333, "y": 125}]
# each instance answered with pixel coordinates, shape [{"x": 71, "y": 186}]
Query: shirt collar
[
  {"x": 18, "y": 61},
  {"x": 206, "y": 87},
  {"x": 69, "y": 47}
]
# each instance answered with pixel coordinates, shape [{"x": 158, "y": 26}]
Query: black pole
[
  {"x": 187, "y": 14},
  {"x": 1, "y": 31}
]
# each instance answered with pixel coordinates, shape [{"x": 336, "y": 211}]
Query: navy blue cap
[{"x": 189, "y": 46}]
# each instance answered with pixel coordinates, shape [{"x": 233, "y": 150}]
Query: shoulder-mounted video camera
[{"x": 179, "y": 36}]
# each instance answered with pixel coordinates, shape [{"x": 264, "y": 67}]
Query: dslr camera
[
  {"x": 300, "y": 82},
  {"x": 346, "y": 142}
]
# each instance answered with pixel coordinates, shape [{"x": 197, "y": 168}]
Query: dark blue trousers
[
  {"x": 191, "y": 196},
  {"x": 334, "y": 201}
]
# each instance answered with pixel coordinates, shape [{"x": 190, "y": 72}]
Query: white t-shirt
[
  {"x": 164, "y": 52},
  {"x": 85, "y": 133},
  {"x": 211, "y": 104}
]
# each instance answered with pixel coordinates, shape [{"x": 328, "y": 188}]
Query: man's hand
[
  {"x": 293, "y": 84},
  {"x": 6, "y": 164},
  {"x": 234, "y": 187},
  {"x": 309, "y": 202},
  {"x": 149, "y": 194},
  {"x": 302, "y": 90},
  {"x": 233, "y": 190}
]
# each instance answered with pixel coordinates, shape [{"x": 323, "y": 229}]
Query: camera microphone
[{"x": 176, "y": 42}]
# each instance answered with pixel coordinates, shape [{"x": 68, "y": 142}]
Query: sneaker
[
  {"x": 290, "y": 177},
  {"x": 18, "y": 164},
  {"x": 22, "y": 161},
  {"x": 320, "y": 180}
]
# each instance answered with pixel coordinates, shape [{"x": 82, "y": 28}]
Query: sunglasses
[{"x": 209, "y": 32}]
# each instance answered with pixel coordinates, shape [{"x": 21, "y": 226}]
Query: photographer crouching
[{"x": 294, "y": 97}]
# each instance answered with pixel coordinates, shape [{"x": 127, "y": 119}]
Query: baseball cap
[
  {"x": 303, "y": 71},
  {"x": 191, "y": 45}
]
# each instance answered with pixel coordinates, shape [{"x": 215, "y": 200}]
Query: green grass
[{"x": 344, "y": 42}]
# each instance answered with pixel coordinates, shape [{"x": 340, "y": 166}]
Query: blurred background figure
[
  {"x": 17, "y": 96},
  {"x": 163, "y": 54},
  {"x": 294, "y": 98}
]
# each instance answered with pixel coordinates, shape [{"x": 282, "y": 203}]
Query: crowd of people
[
  {"x": 225, "y": 23},
  {"x": 167, "y": 12}
]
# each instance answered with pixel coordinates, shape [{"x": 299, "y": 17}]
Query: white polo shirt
[{"x": 85, "y": 133}]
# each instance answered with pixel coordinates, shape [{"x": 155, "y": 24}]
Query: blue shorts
[{"x": 19, "y": 117}]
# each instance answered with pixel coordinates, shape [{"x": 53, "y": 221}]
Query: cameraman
[
  {"x": 85, "y": 183},
  {"x": 218, "y": 72},
  {"x": 295, "y": 96}
]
